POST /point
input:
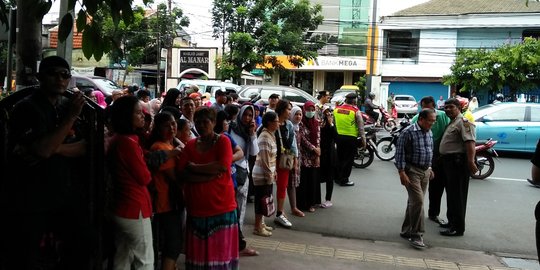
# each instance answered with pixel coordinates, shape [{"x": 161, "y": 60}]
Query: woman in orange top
[{"x": 168, "y": 198}]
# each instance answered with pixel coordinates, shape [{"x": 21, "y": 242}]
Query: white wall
[{"x": 436, "y": 55}]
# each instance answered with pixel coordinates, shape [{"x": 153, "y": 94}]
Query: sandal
[
  {"x": 247, "y": 252},
  {"x": 266, "y": 227},
  {"x": 326, "y": 204},
  {"x": 262, "y": 232},
  {"x": 298, "y": 213}
]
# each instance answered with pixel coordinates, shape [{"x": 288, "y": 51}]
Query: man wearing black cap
[
  {"x": 221, "y": 99},
  {"x": 349, "y": 125},
  {"x": 42, "y": 193}
]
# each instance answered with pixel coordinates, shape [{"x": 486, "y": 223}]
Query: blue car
[{"x": 516, "y": 126}]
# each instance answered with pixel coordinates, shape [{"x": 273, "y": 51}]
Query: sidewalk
[{"x": 289, "y": 249}]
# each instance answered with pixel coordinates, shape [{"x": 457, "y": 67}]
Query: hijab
[
  {"x": 239, "y": 127},
  {"x": 294, "y": 110},
  {"x": 312, "y": 124},
  {"x": 100, "y": 99}
]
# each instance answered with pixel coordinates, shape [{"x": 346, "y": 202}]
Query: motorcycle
[
  {"x": 484, "y": 159},
  {"x": 386, "y": 120},
  {"x": 386, "y": 146},
  {"x": 364, "y": 155}
]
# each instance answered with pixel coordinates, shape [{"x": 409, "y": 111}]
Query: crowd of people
[{"x": 181, "y": 170}]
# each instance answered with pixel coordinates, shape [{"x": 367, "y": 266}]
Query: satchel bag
[
  {"x": 267, "y": 205},
  {"x": 286, "y": 159}
]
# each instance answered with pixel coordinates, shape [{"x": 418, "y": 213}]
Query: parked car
[
  {"x": 102, "y": 84},
  {"x": 406, "y": 104},
  {"x": 339, "y": 95},
  {"x": 516, "y": 126},
  {"x": 209, "y": 86},
  {"x": 295, "y": 95}
]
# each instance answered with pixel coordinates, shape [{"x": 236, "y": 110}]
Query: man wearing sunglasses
[{"x": 42, "y": 199}]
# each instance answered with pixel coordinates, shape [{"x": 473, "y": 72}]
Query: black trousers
[
  {"x": 436, "y": 187},
  {"x": 457, "y": 175},
  {"x": 537, "y": 231},
  {"x": 346, "y": 148}
]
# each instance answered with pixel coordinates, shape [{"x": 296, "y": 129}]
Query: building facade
[{"x": 418, "y": 44}]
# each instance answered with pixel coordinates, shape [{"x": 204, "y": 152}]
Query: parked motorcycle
[
  {"x": 365, "y": 155},
  {"x": 386, "y": 146},
  {"x": 386, "y": 120},
  {"x": 484, "y": 159}
]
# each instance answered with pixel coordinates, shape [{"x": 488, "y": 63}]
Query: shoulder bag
[{"x": 286, "y": 159}]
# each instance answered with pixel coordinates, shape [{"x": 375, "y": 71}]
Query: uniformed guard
[
  {"x": 457, "y": 151},
  {"x": 349, "y": 125}
]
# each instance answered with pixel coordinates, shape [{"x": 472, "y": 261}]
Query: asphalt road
[{"x": 500, "y": 210}]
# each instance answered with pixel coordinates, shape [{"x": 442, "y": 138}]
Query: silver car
[{"x": 406, "y": 104}]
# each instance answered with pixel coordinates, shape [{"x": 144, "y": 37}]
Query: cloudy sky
[{"x": 198, "y": 11}]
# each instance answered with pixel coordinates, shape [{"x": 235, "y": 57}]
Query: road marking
[{"x": 507, "y": 179}]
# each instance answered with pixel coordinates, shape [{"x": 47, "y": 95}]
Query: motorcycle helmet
[
  {"x": 499, "y": 97},
  {"x": 371, "y": 95},
  {"x": 464, "y": 102}
]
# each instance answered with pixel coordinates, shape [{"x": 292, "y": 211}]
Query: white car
[
  {"x": 406, "y": 104},
  {"x": 209, "y": 86}
]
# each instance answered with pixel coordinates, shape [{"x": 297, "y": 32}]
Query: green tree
[
  {"x": 515, "y": 66},
  {"x": 254, "y": 29}
]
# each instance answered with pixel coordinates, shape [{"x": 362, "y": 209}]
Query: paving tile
[
  {"x": 262, "y": 243},
  {"x": 349, "y": 254},
  {"x": 292, "y": 247},
  {"x": 441, "y": 265},
  {"x": 381, "y": 258},
  {"x": 320, "y": 251},
  {"x": 473, "y": 267},
  {"x": 411, "y": 262}
]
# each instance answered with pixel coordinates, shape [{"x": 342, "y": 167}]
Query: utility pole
[
  {"x": 28, "y": 45},
  {"x": 372, "y": 43},
  {"x": 11, "y": 35}
]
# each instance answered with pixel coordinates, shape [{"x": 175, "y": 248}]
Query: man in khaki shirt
[{"x": 457, "y": 154}]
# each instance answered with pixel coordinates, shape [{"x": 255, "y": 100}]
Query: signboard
[{"x": 194, "y": 59}]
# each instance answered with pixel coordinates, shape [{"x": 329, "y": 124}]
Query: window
[
  {"x": 294, "y": 97},
  {"x": 84, "y": 83},
  {"x": 535, "y": 114},
  {"x": 509, "y": 114},
  {"x": 249, "y": 92},
  {"x": 533, "y": 33},
  {"x": 401, "y": 44},
  {"x": 333, "y": 80},
  {"x": 265, "y": 93}
]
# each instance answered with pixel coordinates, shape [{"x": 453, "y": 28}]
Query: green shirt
[{"x": 438, "y": 127}]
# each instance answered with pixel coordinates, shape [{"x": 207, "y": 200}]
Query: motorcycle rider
[
  {"x": 349, "y": 125},
  {"x": 370, "y": 107},
  {"x": 499, "y": 98},
  {"x": 465, "y": 109}
]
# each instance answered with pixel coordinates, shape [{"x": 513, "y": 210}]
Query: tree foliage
[
  {"x": 253, "y": 29},
  {"x": 515, "y": 66},
  {"x": 137, "y": 42}
]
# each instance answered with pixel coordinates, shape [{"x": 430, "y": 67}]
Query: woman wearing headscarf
[
  {"x": 243, "y": 131},
  {"x": 172, "y": 99},
  {"x": 100, "y": 99},
  {"x": 294, "y": 175},
  {"x": 328, "y": 154},
  {"x": 308, "y": 193}
]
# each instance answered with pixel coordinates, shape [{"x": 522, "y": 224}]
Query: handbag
[
  {"x": 286, "y": 159},
  {"x": 267, "y": 205}
]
